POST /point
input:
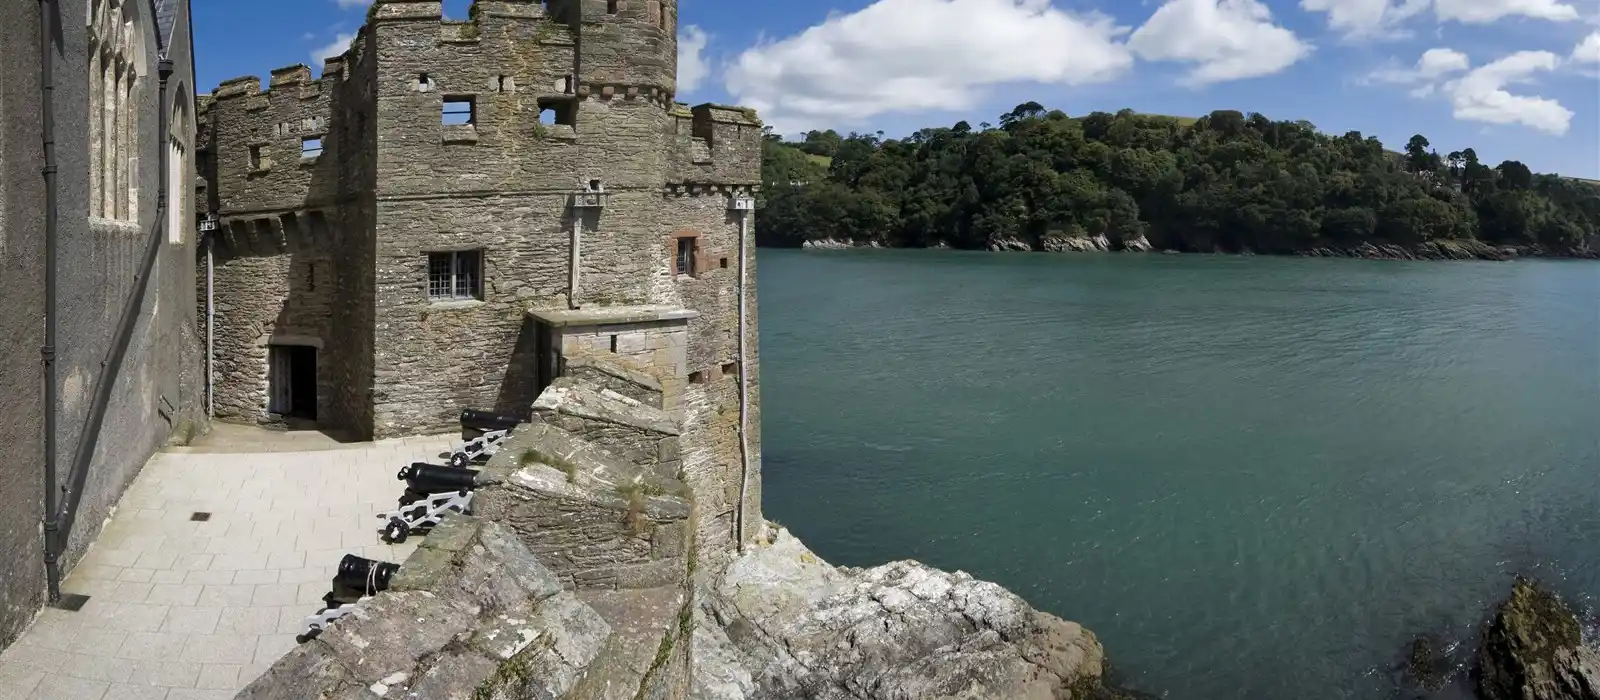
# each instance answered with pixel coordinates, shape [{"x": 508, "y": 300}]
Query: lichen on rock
[{"x": 1533, "y": 649}]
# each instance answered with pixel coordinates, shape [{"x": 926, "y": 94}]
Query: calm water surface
[{"x": 1252, "y": 477}]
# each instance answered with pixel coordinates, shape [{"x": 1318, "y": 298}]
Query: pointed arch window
[
  {"x": 180, "y": 174},
  {"x": 116, "y": 82}
]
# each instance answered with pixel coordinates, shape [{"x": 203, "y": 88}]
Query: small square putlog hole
[
  {"x": 200, "y": 516},
  {"x": 72, "y": 602}
]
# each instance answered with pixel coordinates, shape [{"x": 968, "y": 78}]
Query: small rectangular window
[
  {"x": 310, "y": 148},
  {"x": 505, "y": 83},
  {"x": 611, "y": 7},
  {"x": 697, "y": 377},
  {"x": 558, "y": 111},
  {"x": 455, "y": 275},
  {"x": 730, "y": 369},
  {"x": 684, "y": 264},
  {"x": 723, "y": 262},
  {"x": 459, "y": 110},
  {"x": 255, "y": 157}
]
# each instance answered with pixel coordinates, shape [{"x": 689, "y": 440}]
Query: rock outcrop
[
  {"x": 1533, "y": 649},
  {"x": 782, "y": 623},
  {"x": 1074, "y": 244},
  {"x": 472, "y": 614},
  {"x": 836, "y": 244}
]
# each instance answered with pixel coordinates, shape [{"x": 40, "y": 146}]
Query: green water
[{"x": 1252, "y": 477}]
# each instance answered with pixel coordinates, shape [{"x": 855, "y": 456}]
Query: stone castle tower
[{"x": 455, "y": 210}]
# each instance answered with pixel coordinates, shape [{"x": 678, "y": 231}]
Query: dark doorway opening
[
  {"x": 292, "y": 381},
  {"x": 549, "y": 356}
]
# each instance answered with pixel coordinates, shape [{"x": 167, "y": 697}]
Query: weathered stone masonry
[{"x": 597, "y": 211}]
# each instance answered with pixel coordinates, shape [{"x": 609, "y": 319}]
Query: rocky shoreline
[
  {"x": 1432, "y": 250},
  {"x": 1530, "y": 648}
]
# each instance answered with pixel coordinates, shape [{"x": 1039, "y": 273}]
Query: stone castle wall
[{"x": 564, "y": 96}]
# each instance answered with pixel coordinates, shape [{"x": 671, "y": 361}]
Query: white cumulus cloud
[
  {"x": 1486, "y": 11},
  {"x": 1588, "y": 50},
  {"x": 340, "y": 43},
  {"x": 692, "y": 66},
  {"x": 1228, "y": 39},
  {"x": 912, "y": 55},
  {"x": 1376, "y": 18},
  {"x": 1481, "y": 94},
  {"x": 1366, "y": 18},
  {"x": 349, "y": 4},
  {"x": 1434, "y": 64}
]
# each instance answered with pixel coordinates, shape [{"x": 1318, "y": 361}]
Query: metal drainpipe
[
  {"x": 577, "y": 247},
  {"x": 47, "y": 92},
  {"x": 744, "y": 387},
  {"x": 125, "y": 328},
  {"x": 211, "y": 336}
]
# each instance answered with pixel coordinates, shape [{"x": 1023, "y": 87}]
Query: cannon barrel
[
  {"x": 365, "y": 575},
  {"x": 434, "y": 478},
  {"x": 473, "y": 419}
]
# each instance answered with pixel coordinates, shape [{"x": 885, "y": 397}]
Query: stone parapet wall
[
  {"x": 595, "y": 521},
  {"x": 495, "y": 625}
]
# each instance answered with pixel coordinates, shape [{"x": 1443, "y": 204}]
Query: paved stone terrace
[{"x": 182, "y": 609}]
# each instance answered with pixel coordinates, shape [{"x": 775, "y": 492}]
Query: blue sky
[{"x": 1513, "y": 79}]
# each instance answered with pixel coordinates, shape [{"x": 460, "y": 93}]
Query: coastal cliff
[{"x": 579, "y": 576}]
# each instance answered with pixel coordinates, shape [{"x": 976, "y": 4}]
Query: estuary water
[{"x": 1251, "y": 477}]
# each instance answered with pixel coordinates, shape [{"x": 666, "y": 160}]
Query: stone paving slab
[{"x": 184, "y": 609}]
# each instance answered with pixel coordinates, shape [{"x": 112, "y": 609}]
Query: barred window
[
  {"x": 685, "y": 257},
  {"x": 455, "y": 275}
]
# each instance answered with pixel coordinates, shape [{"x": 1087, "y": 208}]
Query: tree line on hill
[{"x": 1224, "y": 182}]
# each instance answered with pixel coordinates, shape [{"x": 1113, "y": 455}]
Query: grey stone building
[
  {"x": 454, "y": 211},
  {"x": 111, "y": 204}
]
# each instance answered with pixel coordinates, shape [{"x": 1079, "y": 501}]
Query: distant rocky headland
[
  {"x": 1226, "y": 182},
  {"x": 1467, "y": 249}
]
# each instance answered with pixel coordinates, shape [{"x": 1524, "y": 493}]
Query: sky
[{"x": 1512, "y": 79}]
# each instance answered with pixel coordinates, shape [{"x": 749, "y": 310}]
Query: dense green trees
[{"x": 1227, "y": 181}]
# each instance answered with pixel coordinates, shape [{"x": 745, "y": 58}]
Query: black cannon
[
  {"x": 481, "y": 435},
  {"x": 358, "y": 578},
  {"x": 422, "y": 477},
  {"x": 432, "y": 492}
]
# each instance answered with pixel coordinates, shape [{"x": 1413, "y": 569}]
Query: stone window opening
[
  {"x": 180, "y": 194},
  {"x": 558, "y": 111},
  {"x": 424, "y": 83},
  {"x": 611, "y": 7},
  {"x": 730, "y": 369},
  {"x": 455, "y": 275},
  {"x": 613, "y": 344},
  {"x": 723, "y": 263},
  {"x": 595, "y": 186},
  {"x": 311, "y": 277},
  {"x": 683, "y": 261},
  {"x": 116, "y": 67},
  {"x": 698, "y": 377},
  {"x": 505, "y": 83},
  {"x": 311, "y": 147},
  {"x": 459, "y": 110},
  {"x": 255, "y": 158}
]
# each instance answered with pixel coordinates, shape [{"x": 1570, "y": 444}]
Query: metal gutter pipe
[
  {"x": 47, "y": 95},
  {"x": 744, "y": 386}
]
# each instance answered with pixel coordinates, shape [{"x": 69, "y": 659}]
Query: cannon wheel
[
  {"x": 396, "y": 532},
  {"x": 460, "y": 460}
]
